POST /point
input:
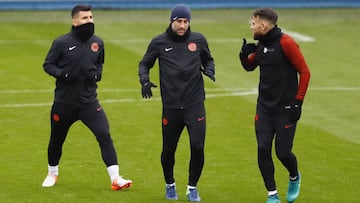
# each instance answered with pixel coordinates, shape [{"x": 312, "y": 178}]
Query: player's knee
[
  {"x": 104, "y": 138},
  {"x": 264, "y": 150},
  {"x": 197, "y": 147},
  {"x": 283, "y": 154}
]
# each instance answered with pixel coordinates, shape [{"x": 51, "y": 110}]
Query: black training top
[
  {"x": 68, "y": 54},
  {"x": 181, "y": 61},
  {"x": 280, "y": 61}
]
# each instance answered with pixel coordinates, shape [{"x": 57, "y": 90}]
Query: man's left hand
[
  {"x": 210, "y": 74},
  {"x": 295, "y": 111}
]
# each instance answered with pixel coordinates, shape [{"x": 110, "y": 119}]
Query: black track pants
[
  {"x": 93, "y": 116},
  {"x": 173, "y": 123},
  {"x": 268, "y": 126}
]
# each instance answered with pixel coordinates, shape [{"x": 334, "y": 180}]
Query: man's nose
[
  {"x": 90, "y": 20},
  {"x": 182, "y": 24}
]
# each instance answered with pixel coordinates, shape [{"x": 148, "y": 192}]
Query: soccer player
[
  {"x": 76, "y": 61},
  {"x": 183, "y": 56},
  {"x": 281, "y": 95}
]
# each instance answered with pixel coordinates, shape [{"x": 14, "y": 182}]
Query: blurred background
[{"x": 153, "y": 4}]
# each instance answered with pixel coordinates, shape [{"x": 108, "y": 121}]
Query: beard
[{"x": 257, "y": 36}]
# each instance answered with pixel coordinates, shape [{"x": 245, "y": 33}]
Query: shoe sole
[
  {"x": 171, "y": 198},
  {"x": 115, "y": 187},
  {"x": 193, "y": 200},
  {"x": 50, "y": 185}
]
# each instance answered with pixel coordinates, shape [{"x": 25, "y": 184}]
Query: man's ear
[
  {"x": 74, "y": 22},
  {"x": 263, "y": 26}
]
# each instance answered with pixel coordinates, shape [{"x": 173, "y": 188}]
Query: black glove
[
  {"x": 146, "y": 90},
  {"x": 66, "y": 76},
  {"x": 210, "y": 74},
  {"x": 295, "y": 111},
  {"x": 247, "y": 49},
  {"x": 93, "y": 76}
]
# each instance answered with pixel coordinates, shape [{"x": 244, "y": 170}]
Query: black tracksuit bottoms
[
  {"x": 93, "y": 116},
  {"x": 268, "y": 126},
  {"x": 173, "y": 123}
]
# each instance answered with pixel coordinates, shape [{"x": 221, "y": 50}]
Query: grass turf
[{"x": 326, "y": 144}]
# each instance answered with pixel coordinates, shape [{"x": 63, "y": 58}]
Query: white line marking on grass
[
  {"x": 335, "y": 88},
  {"x": 211, "y": 93},
  {"x": 298, "y": 36},
  {"x": 24, "y": 105},
  {"x": 129, "y": 100},
  {"x": 31, "y": 91}
]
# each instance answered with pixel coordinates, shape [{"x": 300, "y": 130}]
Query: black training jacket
[
  {"x": 70, "y": 55},
  {"x": 181, "y": 63}
]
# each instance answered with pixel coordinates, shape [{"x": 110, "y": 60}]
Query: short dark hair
[
  {"x": 79, "y": 8},
  {"x": 267, "y": 14}
]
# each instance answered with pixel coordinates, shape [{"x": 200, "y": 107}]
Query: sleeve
[
  {"x": 100, "y": 62},
  {"x": 293, "y": 53},
  {"x": 147, "y": 62},
  {"x": 52, "y": 59},
  {"x": 207, "y": 61},
  {"x": 249, "y": 63}
]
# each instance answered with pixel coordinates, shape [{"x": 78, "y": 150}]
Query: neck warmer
[
  {"x": 173, "y": 36},
  {"x": 274, "y": 32},
  {"x": 83, "y": 32}
]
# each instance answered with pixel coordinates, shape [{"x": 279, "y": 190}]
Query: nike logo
[
  {"x": 71, "y": 48},
  {"x": 98, "y": 108},
  {"x": 288, "y": 126},
  {"x": 168, "y": 49},
  {"x": 201, "y": 118}
]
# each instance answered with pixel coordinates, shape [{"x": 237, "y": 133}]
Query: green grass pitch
[{"x": 327, "y": 142}]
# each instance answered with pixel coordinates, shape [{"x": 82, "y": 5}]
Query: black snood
[{"x": 84, "y": 31}]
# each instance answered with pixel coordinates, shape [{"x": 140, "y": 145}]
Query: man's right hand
[
  {"x": 246, "y": 49},
  {"x": 66, "y": 76},
  {"x": 146, "y": 89}
]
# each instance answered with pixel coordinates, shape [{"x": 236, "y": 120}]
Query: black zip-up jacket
[
  {"x": 181, "y": 61},
  {"x": 69, "y": 54},
  {"x": 280, "y": 61}
]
